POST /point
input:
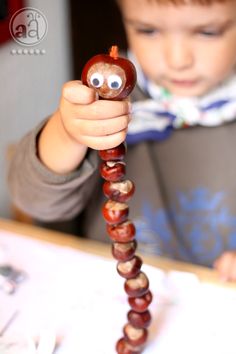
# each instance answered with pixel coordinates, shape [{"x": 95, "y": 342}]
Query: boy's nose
[{"x": 178, "y": 54}]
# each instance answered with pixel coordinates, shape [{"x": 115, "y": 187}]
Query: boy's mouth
[{"x": 184, "y": 83}]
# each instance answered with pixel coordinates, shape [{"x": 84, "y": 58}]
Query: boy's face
[{"x": 188, "y": 49}]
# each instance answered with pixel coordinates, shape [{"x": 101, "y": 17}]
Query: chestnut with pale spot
[
  {"x": 124, "y": 251},
  {"x": 135, "y": 336},
  {"x": 111, "y": 76},
  {"x": 107, "y": 79},
  {"x": 140, "y": 304},
  {"x": 130, "y": 268},
  {"x": 137, "y": 286},
  {"x": 113, "y": 171},
  {"x": 115, "y": 212},
  {"x": 123, "y": 232},
  {"x": 124, "y": 347},
  {"x": 119, "y": 191}
]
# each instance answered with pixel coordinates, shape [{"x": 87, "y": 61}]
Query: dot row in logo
[{"x": 28, "y": 51}]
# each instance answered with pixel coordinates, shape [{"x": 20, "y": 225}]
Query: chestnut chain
[{"x": 122, "y": 234}]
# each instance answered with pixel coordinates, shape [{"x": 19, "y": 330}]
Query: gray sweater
[{"x": 185, "y": 201}]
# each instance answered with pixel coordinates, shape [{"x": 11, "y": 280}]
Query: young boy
[{"x": 181, "y": 138}]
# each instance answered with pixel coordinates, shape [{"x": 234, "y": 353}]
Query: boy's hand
[
  {"x": 226, "y": 266},
  {"x": 81, "y": 121},
  {"x": 98, "y": 124}
]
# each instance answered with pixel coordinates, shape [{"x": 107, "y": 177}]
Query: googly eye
[
  {"x": 96, "y": 80},
  {"x": 114, "y": 82}
]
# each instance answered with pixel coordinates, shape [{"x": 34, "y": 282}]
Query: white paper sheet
[{"x": 81, "y": 298}]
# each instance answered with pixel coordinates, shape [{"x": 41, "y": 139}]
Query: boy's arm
[
  {"x": 46, "y": 195},
  {"x": 55, "y": 145}
]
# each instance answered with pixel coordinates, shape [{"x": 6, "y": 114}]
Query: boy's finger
[
  {"x": 104, "y": 142},
  {"x": 232, "y": 268},
  {"x": 102, "y": 127},
  {"x": 102, "y": 109},
  {"x": 223, "y": 266},
  {"x": 77, "y": 93}
]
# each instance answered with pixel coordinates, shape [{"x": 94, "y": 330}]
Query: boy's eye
[
  {"x": 210, "y": 33},
  {"x": 147, "y": 31}
]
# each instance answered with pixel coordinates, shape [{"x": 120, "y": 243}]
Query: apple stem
[{"x": 114, "y": 52}]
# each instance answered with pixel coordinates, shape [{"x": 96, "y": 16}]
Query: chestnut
[
  {"x": 124, "y": 347},
  {"x": 129, "y": 269},
  {"x": 111, "y": 76},
  {"x": 115, "y": 212},
  {"x": 140, "y": 304},
  {"x": 124, "y": 251},
  {"x": 113, "y": 154},
  {"x": 137, "y": 286},
  {"x": 119, "y": 191},
  {"x": 135, "y": 336},
  {"x": 113, "y": 171},
  {"x": 123, "y": 232},
  {"x": 139, "y": 319}
]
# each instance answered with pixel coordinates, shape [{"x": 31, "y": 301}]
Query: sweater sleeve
[{"x": 43, "y": 194}]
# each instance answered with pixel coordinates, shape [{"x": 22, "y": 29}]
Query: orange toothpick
[{"x": 114, "y": 52}]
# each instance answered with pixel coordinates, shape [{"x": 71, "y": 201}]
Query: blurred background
[{"x": 30, "y": 84}]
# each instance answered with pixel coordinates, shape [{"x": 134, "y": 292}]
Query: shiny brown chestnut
[
  {"x": 115, "y": 212},
  {"x": 113, "y": 154},
  {"x": 137, "y": 286},
  {"x": 135, "y": 336},
  {"x": 119, "y": 191},
  {"x": 124, "y": 347},
  {"x": 113, "y": 77},
  {"x": 113, "y": 171},
  {"x": 124, "y": 251},
  {"x": 140, "y": 304},
  {"x": 139, "y": 319},
  {"x": 131, "y": 268},
  {"x": 123, "y": 232}
]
